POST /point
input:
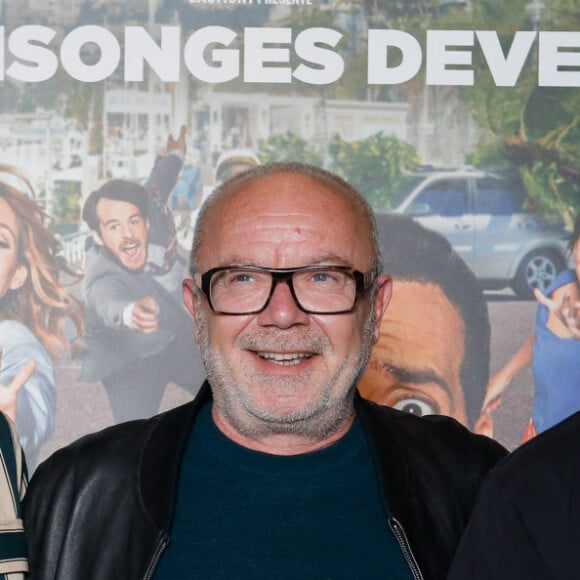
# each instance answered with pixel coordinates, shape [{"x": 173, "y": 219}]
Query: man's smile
[{"x": 285, "y": 358}]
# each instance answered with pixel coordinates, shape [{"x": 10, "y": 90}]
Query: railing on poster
[{"x": 73, "y": 248}]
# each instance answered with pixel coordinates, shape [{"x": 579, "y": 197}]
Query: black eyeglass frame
[{"x": 363, "y": 281}]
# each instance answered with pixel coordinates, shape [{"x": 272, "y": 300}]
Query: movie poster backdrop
[{"x": 458, "y": 121}]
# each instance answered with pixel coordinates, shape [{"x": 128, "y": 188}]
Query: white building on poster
[
  {"x": 248, "y": 119},
  {"x": 137, "y": 123},
  {"x": 42, "y": 144}
]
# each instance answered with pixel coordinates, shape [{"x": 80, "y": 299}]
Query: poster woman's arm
[
  {"x": 35, "y": 398},
  {"x": 503, "y": 378},
  {"x": 9, "y": 392}
]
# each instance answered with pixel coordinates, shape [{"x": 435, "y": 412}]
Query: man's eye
[
  {"x": 320, "y": 276},
  {"x": 327, "y": 278},
  {"x": 415, "y": 407},
  {"x": 238, "y": 278}
]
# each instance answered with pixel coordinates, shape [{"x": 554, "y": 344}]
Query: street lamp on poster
[{"x": 534, "y": 11}]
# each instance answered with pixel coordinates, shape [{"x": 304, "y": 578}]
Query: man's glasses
[{"x": 315, "y": 289}]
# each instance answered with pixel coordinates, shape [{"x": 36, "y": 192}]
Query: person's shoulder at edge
[
  {"x": 13, "y": 483},
  {"x": 16, "y": 334},
  {"x": 543, "y": 459},
  {"x": 9, "y": 439},
  {"x": 524, "y": 525}
]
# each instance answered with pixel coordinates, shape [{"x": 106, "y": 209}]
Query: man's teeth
[{"x": 287, "y": 358}]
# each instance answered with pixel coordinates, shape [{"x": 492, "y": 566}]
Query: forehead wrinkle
[
  {"x": 277, "y": 227},
  {"x": 277, "y": 224}
]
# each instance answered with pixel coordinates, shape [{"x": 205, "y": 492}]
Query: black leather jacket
[{"x": 102, "y": 507}]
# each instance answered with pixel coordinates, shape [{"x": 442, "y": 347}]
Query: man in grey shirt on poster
[{"x": 278, "y": 468}]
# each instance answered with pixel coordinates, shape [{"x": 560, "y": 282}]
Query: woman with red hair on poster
[{"x": 33, "y": 308}]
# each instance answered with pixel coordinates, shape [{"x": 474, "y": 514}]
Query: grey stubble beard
[{"x": 330, "y": 415}]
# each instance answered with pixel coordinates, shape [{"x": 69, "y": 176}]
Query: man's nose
[
  {"x": 282, "y": 310},
  {"x": 127, "y": 231}
]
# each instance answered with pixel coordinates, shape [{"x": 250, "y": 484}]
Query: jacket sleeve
[
  {"x": 83, "y": 511},
  {"x": 164, "y": 176},
  {"x": 13, "y": 561},
  {"x": 48, "y": 514},
  {"x": 162, "y": 235},
  {"x": 107, "y": 297}
]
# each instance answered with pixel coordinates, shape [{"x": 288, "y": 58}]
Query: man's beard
[{"x": 332, "y": 408}]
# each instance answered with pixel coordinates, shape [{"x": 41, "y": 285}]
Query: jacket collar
[
  {"x": 163, "y": 452},
  {"x": 162, "y": 455}
]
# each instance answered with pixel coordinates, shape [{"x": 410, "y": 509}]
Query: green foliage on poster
[
  {"x": 372, "y": 165},
  {"x": 536, "y": 129},
  {"x": 65, "y": 208},
  {"x": 289, "y": 147}
]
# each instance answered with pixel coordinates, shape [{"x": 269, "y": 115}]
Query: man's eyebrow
[{"x": 416, "y": 376}]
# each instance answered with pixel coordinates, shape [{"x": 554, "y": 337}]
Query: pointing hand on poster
[
  {"x": 145, "y": 316},
  {"x": 9, "y": 393}
]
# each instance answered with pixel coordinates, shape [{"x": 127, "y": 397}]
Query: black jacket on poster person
[{"x": 102, "y": 507}]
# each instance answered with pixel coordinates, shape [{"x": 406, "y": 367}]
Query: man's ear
[
  {"x": 382, "y": 299},
  {"x": 189, "y": 297},
  {"x": 191, "y": 303},
  {"x": 19, "y": 277},
  {"x": 484, "y": 425}
]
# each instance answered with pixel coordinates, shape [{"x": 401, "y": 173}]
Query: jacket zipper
[
  {"x": 401, "y": 538},
  {"x": 160, "y": 549}
]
